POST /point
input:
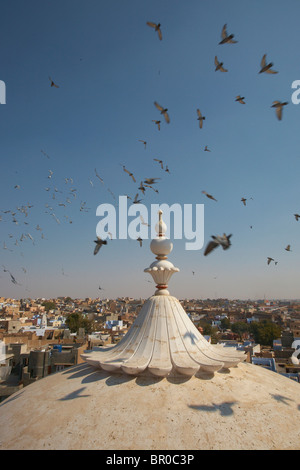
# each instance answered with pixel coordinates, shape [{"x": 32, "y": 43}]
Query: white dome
[{"x": 248, "y": 407}]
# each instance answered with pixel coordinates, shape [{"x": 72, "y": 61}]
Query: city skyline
[{"x": 109, "y": 68}]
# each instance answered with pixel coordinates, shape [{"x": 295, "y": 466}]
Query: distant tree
[
  {"x": 265, "y": 332},
  {"x": 239, "y": 328},
  {"x": 225, "y": 323},
  {"x": 76, "y": 320},
  {"x": 49, "y": 305}
]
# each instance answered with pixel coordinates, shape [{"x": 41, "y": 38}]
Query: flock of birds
[{"x": 63, "y": 197}]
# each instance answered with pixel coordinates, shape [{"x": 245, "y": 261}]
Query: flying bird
[
  {"x": 140, "y": 240},
  {"x": 144, "y": 142},
  {"x": 288, "y": 248},
  {"x": 156, "y": 27},
  {"x": 136, "y": 200},
  {"x": 142, "y": 187},
  {"x": 264, "y": 67},
  {"x": 227, "y": 38},
  {"x": 223, "y": 241},
  {"x": 163, "y": 111},
  {"x": 99, "y": 242},
  {"x": 206, "y": 149},
  {"x": 297, "y": 216},
  {"x": 219, "y": 65},
  {"x": 130, "y": 174},
  {"x": 200, "y": 118},
  {"x": 269, "y": 260},
  {"x": 157, "y": 123},
  {"x": 159, "y": 161},
  {"x": 278, "y": 105},
  {"x": 209, "y": 195},
  {"x": 150, "y": 180},
  {"x": 244, "y": 201},
  {"x": 240, "y": 99},
  {"x": 98, "y": 176},
  {"x": 52, "y": 83}
]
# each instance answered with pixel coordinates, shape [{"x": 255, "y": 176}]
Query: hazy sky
[{"x": 110, "y": 67}]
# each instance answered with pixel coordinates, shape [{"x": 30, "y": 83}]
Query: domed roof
[
  {"x": 162, "y": 387},
  {"x": 83, "y": 407}
]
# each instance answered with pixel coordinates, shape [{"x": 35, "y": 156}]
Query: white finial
[{"x": 161, "y": 270}]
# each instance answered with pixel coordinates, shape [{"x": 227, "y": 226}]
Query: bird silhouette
[
  {"x": 163, "y": 111},
  {"x": 157, "y": 123},
  {"x": 240, "y": 99},
  {"x": 264, "y": 67},
  {"x": 219, "y": 65},
  {"x": 52, "y": 83},
  {"x": 99, "y": 242},
  {"x": 159, "y": 161},
  {"x": 227, "y": 39},
  {"x": 144, "y": 142},
  {"x": 129, "y": 173},
  {"x": 297, "y": 216},
  {"x": 223, "y": 241},
  {"x": 156, "y": 27},
  {"x": 150, "y": 180},
  {"x": 142, "y": 188},
  {"x": 140, "y": 240},
  {"x": 278, "y": 105},
  {"x": 206, "y": 149},
  {"x": 288, "y": 248},
  {"x": 269, "y": 260},
  {"x": 136, "y": 200},
  {"x": 244, "y": 201},
  {"x": 209, "y": 195},
  {"x": 200, "y": 118}
]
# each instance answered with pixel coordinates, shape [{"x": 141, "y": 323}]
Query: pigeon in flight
[
  {"x": 130, "y": 174},
  {"x": 142, "y": 187},
  {"x": 144, "y": 142},
  {"x": 99, "y": 242},
  {"x": 297, "y": 216},
  {"x": 136, "y": 200},
  {"x": 209, "y": 195},
  {"x": 227, "y": 38},
  {"x": 157, "y": 123},
  {"x": 269, "y": 260},
  {"x": 244, "y": 201},
  {"x": 150, "y": 180},
  {"x": 156, "y": 27},
  {"x": 200, "y": 118},
  {"x": 264, "y": 67},
  {"x": 288, "y": 248},
  {"x": 206, "y": 149},
  {"x": 52, "y": 83},
  {"x": 240, "y": 99},
  {"x": 163, "y": 111},
  {"x": 99, "y": 177},
  {"x": 219, "y": 65},
  {"x": 159, "y": 161},
  {"x": 223, "y": 241},
  {"x": 278, "y": 105}
]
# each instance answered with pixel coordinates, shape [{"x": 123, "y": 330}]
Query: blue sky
[{"x": 110, "y": 68}]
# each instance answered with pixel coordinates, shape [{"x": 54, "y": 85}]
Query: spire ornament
[
  {"x": 163, "y": 340},
  {"x": 161, "y": 270}
]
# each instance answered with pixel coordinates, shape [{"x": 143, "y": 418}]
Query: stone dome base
[{"x": 83, "y": 408}]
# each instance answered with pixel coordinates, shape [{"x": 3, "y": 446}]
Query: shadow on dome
[
  {"x": 225, "y": 408},
  {"x": 75, "y": 394}
]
